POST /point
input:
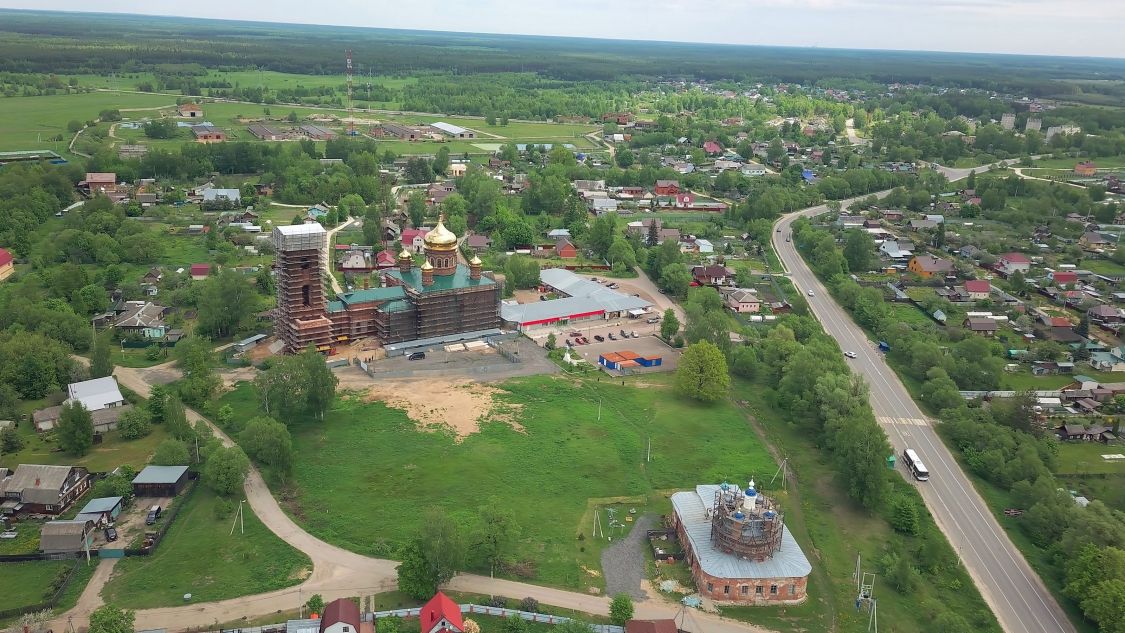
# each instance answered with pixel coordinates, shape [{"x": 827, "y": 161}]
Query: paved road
[{"x": 1017, "y": 596}]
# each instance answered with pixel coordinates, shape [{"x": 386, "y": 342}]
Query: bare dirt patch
[{"x": 457, "y": 405}]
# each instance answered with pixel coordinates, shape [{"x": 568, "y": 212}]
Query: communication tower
[{"x": 351, "y": 113}]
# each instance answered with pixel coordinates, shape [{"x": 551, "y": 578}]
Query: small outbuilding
[
  {"x": 61, "y": 537},
  {"x": 160, "y": 481},
  {"x": 101, "y": 510}
]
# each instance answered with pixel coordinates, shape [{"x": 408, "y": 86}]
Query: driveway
[{"x": 624, "y": 561}]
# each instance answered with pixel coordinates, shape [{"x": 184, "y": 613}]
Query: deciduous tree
[
  {"x": 76, "y": 429},
  {"x": 702, "y": 373},
  {"x": 110, "y": 619},
  {"x": 225, "y": 470}
]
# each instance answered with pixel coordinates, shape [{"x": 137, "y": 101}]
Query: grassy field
[
  {"x": 1103, "y": 266},
  {"x": 1021, "y": 380},
  {"x": 200, "y": 556},
  {"x": 838, "y": 531},
  {"x": 26, "y": 584},
  {"x": 1068, "y": 163},
  {"x": 1083, "y": 458},
  {"x": 27, "y": 119},
  {"x": 104, "y": 457},
  {"x": 361, "y": 476}
]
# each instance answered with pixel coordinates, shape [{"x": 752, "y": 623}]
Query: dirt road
[{"x": 338, "y": 573}]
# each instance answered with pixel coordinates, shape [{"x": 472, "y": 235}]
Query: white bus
[{"x": 917, "y": 468}]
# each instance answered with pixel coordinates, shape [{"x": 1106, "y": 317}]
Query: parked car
[
  {"x": 653, "y": 320},
  {"x": 614, "y": 286},
  {"x": 623, "y": 334},
  {"x": 634, "y": 334},
  {"x": 417, "y": 356},
  {"x": 611, "y": 336},
  {"x": 110, "y": 534},
  {"x": 599, "y": 338},
  {"x": 593, "y": 278},
  {"x": 153, "y": 515}
]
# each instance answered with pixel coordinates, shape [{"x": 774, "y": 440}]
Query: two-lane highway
[{"x": 1017, "y": 596}]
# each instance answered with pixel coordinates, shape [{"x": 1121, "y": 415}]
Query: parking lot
[{"x": 647, "y": 346}]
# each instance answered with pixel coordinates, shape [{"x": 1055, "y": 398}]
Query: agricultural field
[
  {"x": 199, "y": 555},
  {"x": 29, "y": 122},
  {"x": 372, "y": 468}
]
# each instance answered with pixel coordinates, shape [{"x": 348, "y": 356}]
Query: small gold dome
[
  {"x": 405, "y": 254},
  {"x": 441, "y": 238},
  {"x": 475, "y": 261},
  {"x": 427, "y": 265}
]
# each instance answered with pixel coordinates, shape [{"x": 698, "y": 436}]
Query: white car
[
  {"x": 811, "y": 294},
  {"x": 850, "y": 354}
]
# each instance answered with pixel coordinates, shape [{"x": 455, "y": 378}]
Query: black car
[
  {"x": 599, "y": 338},
  {"x": 417, "y": 356},
  {"x": 110, "y": 534}
]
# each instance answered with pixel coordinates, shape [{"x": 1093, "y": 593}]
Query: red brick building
[
  {"x": 1085, "y": 169},
  {"x": 738, "y": 547},
  {"x": 667, "y": 187}
]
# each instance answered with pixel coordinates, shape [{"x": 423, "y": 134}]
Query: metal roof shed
[{"x": 160, "y": 481}]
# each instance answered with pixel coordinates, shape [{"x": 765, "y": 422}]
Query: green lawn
[
  {"x": 1103, "y": 266},
  {"x": 361, "y": 477},
  {"x": 27, "y": 584},
  {"x": 1068, "y": 163},
  {"x": 1023, "y": 380},
  {"x": 200, "y": 556},
  {"x": 104, "y": 457},
  {"x": 1079, "y": 458}
]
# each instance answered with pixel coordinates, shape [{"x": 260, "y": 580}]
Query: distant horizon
[{"x": 1037, "y": 28}]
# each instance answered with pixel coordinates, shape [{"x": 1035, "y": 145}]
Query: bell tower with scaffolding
[{"x": 301, "y": 320}]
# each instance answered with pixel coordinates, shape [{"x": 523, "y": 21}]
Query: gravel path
[{"x": 624, "y": 561}]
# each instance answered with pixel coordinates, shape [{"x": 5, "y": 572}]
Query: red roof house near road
[
  {"x": 6, "y": 266},
  {"x": 340, "y": 616},
  {"x": 1064, "y": 277},
  {"x": 711, "y": 147},
  {"x": 441, "y": 614}
]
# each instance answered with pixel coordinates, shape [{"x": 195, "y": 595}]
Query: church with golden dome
[{"x": 440, "y": 297}]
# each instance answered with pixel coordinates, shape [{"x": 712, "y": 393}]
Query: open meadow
[
  {"x": 199, "y": 555},
  {"x": 362, "y": 478}
]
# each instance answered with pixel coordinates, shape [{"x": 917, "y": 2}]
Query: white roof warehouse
[{"x": 584, "y": 299}]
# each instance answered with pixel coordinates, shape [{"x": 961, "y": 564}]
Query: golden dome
[
  {"x": 427, "y": 265},
  {"x": 441, "y": 238},
  {"x": 405, "y": 254},
  {"x": 475, "y": 261}
]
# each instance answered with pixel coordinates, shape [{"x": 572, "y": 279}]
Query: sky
[{"x": 1046, "y": 27}]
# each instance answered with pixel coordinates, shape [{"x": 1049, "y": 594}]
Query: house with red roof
[
  {"x": 978, "y": 289},
  {"x": 6, "y": 264},
  {"x": 441, "y": 615},
  {"x": 200, "y": 272},
  {"x": 340, "y": 616},
  {"x": 1063, "y": 277},
  {"x": 711, "y": 147},
  {"x": 414, "y": 240},
  {"x": 384, "y": 259},
  {"x": 1086, "y": 169},
  {"x": 1013, "y": 262}
]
